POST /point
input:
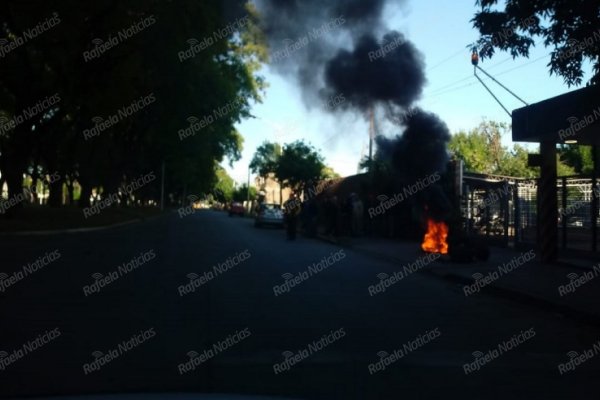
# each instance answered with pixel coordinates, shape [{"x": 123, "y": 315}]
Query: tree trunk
[
  {"x": 14, "y": 181},
  {"x": 111, "y": 190},
  {"x": 56, "y": 193},
  {"x": 70, "y": 191},
  {"x": 86, "y": 192}
]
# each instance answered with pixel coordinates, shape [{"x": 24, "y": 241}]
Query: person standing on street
[
  {"x": 291, "y": 209},
  {"x": 357, "y": 215}
]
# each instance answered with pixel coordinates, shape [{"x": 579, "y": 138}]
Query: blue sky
[{"x": 441, "y": 29}]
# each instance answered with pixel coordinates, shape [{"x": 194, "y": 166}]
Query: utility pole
[
  {"x": 372, "y": 133},
  {"x": 248, "y": 187},
  {"x": 162, "y": 187},
  {"x": 371, "y": 137}
]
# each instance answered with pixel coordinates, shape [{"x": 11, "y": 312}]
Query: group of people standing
[{"x": 336, "y": 217}]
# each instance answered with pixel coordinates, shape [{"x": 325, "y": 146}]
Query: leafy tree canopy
[
  {"x": 571, "y": 28},
  {"x": 265, "y": 158},
  {"x": 224, "y": 187},
  {"x": 578, "y": 157},
  {"x": 299, "y": 163},
  {"x": 482, "y": 152},
  {"x": 195, "y": 63},
  {"x": 329, "y": 173},
  {"x": 241, "y": 193}
]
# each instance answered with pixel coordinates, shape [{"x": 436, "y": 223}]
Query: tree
[
  {"x": 481, "y": 149},
  {"x": 265, "y": 159},
  {"x": 219, "y": 83},
  {"x": 563, "y": 169},
  {"x": 482, "y": 152},
  {"x": 329, "y": 173},
  {"x": 241, "y": 193},
  {"x": 578, "y": 157},
  {"x": 473, "y": 150},
  {"x": 299, "y": 163},
  {"x": 514, "y": 163},
  {"x": 571, "y": 28},
  {"x": 224, "y": 186}
]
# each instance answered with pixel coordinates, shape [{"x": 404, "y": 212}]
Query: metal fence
[
  {"x": 525, "y": 211},
  {"x": 487, "y": 207},
  {"x": 504, "y": 210},
  {"x": 578, "y": 213}
]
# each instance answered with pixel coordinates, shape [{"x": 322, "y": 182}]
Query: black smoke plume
[
  {"x": 342, "y": 47},
  {"x": 421, "y": 149},
  {"x": 388, "y": 72},
  {"x": 420, "y": 154}
]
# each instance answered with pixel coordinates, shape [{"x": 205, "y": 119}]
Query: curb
[
  {"x": 374, "y": 254},
  {"x": 493, "y": 289},
  {"x": 80, "y": 230},
  {"x": 523, "y": 298}
]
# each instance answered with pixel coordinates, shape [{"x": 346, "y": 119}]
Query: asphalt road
[{"x": 240, "y": 331}]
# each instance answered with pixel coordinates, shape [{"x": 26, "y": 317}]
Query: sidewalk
[
  {"x": 504, "y": 275},
  {"x": 42, "y": 220}
]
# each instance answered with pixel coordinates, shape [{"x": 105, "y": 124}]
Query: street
[{"x": 319, "y": 337}]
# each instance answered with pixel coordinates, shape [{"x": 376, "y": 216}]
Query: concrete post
[{"x": 547, "y": 204}]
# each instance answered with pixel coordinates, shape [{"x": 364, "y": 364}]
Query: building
[
  {"x": 572, "y": 118},
  {"x": 272, "y": 191}
]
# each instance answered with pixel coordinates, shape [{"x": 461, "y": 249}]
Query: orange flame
[{"x": 435, "y": 237}]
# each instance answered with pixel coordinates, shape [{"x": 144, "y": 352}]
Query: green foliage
[
  {"x": 578, "y": 157},
  {"x": 482, "y": 152},
  {"x": 265, "y": 159},
  {"x": 241, "y": 193},
  {"x": 329, "y": 173},
  {"x": 571, "y": 28},
  {"x": 220, "y": 81},
  {"x": 514, "y": 163},
  {"x": 299, "y": 163},
  {"x": 563, "y": 169},
  {"x": 293, "y": 166},
  {"x": 224, "y": 186},
  {"x": 473, "y": 150}
]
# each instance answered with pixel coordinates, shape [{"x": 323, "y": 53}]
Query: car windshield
[{"x": 306, "y": 199}]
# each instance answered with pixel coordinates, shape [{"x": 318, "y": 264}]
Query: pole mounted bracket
[{"x": 475, "y": 62}]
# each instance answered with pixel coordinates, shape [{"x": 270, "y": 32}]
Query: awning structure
[
  {"x": 561, "y": 119},
  {"x": 572, "y": 118}
]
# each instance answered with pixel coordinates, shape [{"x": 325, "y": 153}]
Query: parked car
[
  {"x": 268, "y": 214},
  {"x": 236, "y": 209},
  {"x": 575, "y": 221}
]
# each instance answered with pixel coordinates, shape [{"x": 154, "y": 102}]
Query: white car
[{"x": 269, "y": 214}]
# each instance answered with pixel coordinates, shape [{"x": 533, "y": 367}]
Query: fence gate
[
  {"x": 525, "y": 209},
  {"x": 577, "y": 213},
  {"x": 487, "y": 208}
]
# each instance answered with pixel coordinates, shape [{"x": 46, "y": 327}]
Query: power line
[
  {"x": 439, "y": 93},
  {"x": 450, "y": 90},
  {"x": 452, "y": 84},
  {"x": 469, "y": 76},
  {"x": 501, "y": 62},
  {"x": 462, "y": 50},
  {"x": 523, "y": 65}
]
